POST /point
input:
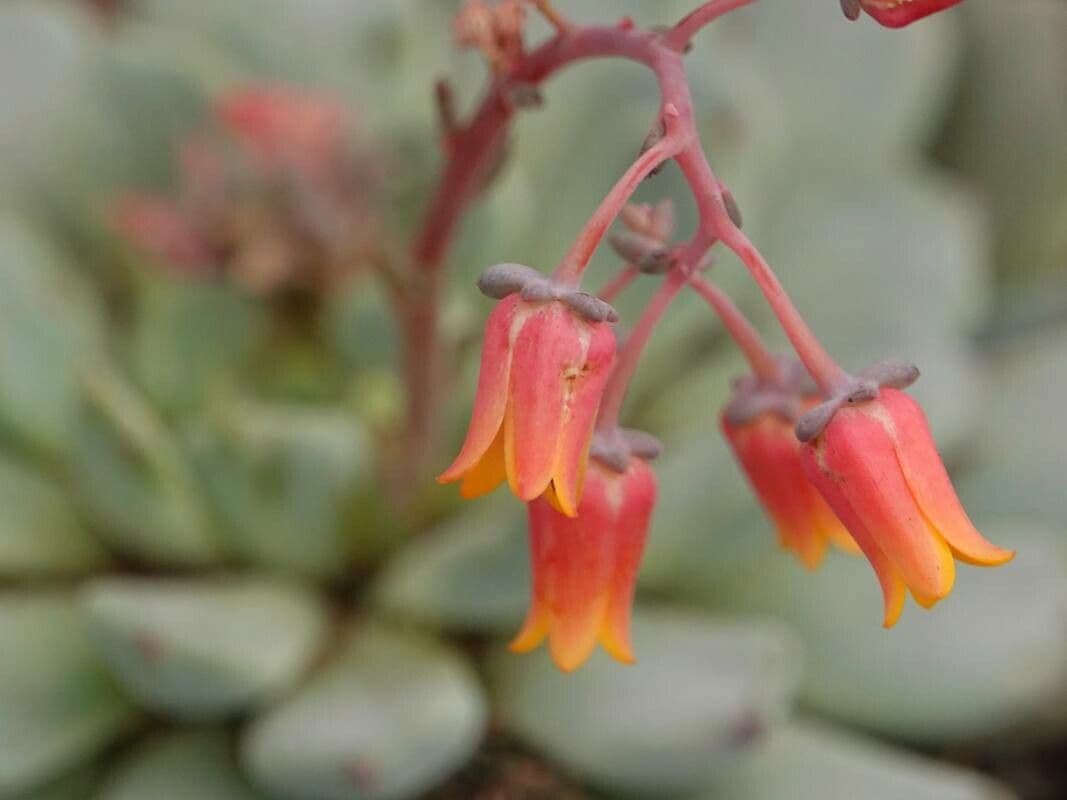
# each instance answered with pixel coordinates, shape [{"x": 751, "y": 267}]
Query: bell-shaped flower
[
  {"x": 872, "y": 457},
  {"x": 585, "y": 567},
  {"x": 546, "y": 356},
  {"x": 769, "y": 455}
]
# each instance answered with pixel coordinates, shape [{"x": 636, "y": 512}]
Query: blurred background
[{"x": 218, "y": 580}]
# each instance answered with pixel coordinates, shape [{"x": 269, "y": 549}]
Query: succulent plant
[{"x": 226, "y": 577}]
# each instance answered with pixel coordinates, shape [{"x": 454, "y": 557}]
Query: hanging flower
[
  {"x": 769, "y": 454},
  {"x": 876, "y": 464},
  {"x": 585, "y": 567},
  {"x": 546, "y": 357}
]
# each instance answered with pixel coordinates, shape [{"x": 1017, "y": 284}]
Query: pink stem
[
  {"x": 678, "y": 37},
  {"x": 743, "y": 332},
  {"x": 570, "y": 270},
  {"x": 826, "y": 372},
  {"x": 472, "y": 147},
  {"x": 628, "y": 358},
  {"x": 617, "y": 285}
]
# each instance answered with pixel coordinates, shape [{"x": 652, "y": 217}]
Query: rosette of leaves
[{"x": 207, "y": 589}]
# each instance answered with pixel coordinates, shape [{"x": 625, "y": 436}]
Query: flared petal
[
  {"x": 581, "y": 403},
  {"x": 889, "y": 577},
  {"x": 547, "y": 352},
  {"x": 858, "y": 449},
  {"x": 769, "y": 455},
  {"x": 488, "y": 473},
  {"x": 930, "y": 484},
  {"x": 634, "y": 500},
  {"x": 572, "y": 565},
  {"x": 491, "y": 399}
]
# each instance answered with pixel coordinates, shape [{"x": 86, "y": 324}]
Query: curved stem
[
  {"x": 705, "y": 186},
  {"x": 617, "y": 285},
  {"x": 577, "y": 258},
  {"x": 471, "y": 150},
  {"x": 743, "y": 332},
  {"x": 678, "y": 37},
  {"x": 626, "y": 363}
]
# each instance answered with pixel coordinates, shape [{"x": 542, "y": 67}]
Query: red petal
[
  {"x": 930, "y": 484},
  {"x": 898, "y": 13},
  {"x": 572, "y": 566},
  {"x": 889, "y": 577},
  {"x": 859, "y": 450},
  {"x": 632, "y": 518},
  {"x": 546, "y": 352},
  {"x": 583, "y": 401},
  {"x": 769, "y": 456},
  {"x": 490, "y": 402}
]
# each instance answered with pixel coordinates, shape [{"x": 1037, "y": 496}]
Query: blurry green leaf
[
  {"x": 281, "y": 477},
  {"x": 50, "y": 330},
  {"x": 806, "y": 761},
  {"x": 699, "y": 693},
  {"x": 131, "y": 474},
  {"x": 1005, "y": 133},
  {"x": 707, "y": 523},
  {"x": 58, "y": 707},
  {"x": 887, "y": 267},
  {"x": 76, "y": 786},
  {"x": 1020, "y": 455},
  {"x": 44, "y": 50},
  {"x": 847, "y": 90},
  {"x": 469, "y": 574},
  {"x": 204, "y": 648},
  {"x": 945, "y": 675},
  {"x": 189, "y": 334},
  {"x": 39, "y": 532},
  {"x": 391, "y": 718},
  {"x": 192, "y": 765},
  {"x": 360, "y": 323}
]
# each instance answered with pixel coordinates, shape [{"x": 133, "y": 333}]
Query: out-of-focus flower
[
  {"x": 543, "y": 370},
  {"x": 494, "y": 28},
  {"x": 159, "y": 226},
  {"x": 585, "y": 567},
  {"x": 876, "y": 464},
  {"x": 276, "y": 197},
  {"x": 287, "y": 128},
  {"x": 898, "y": 13},
  {"x": 769, "y": 454}
]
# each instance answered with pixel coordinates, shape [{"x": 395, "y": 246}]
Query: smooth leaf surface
[
  {"x": 388, "y": 720},
  {"x": 701, "y": 691},
  {"x": 40, "y": 534},
  {"x": 189, "y": 765},
  {"x": 58, "y": 706},
  {"x": 469, "y": 574},
  {"x": 201, "y": 648},
  {"x": 809, "y": 761},
  {"x": 946, "y": 675}
]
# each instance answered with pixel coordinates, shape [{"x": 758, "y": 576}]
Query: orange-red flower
[
  {"x": 585, "y": 567},
  {"x": 898, "y": 13},
  {"x": 876, "y": 464},
  {"x": 769, "y": 454},
  {"x": 543, "y": 371}
]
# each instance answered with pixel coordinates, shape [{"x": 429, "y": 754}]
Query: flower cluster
[
  {"x": 834, "y": 458},
  {"x": 276, "y": 196}
]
